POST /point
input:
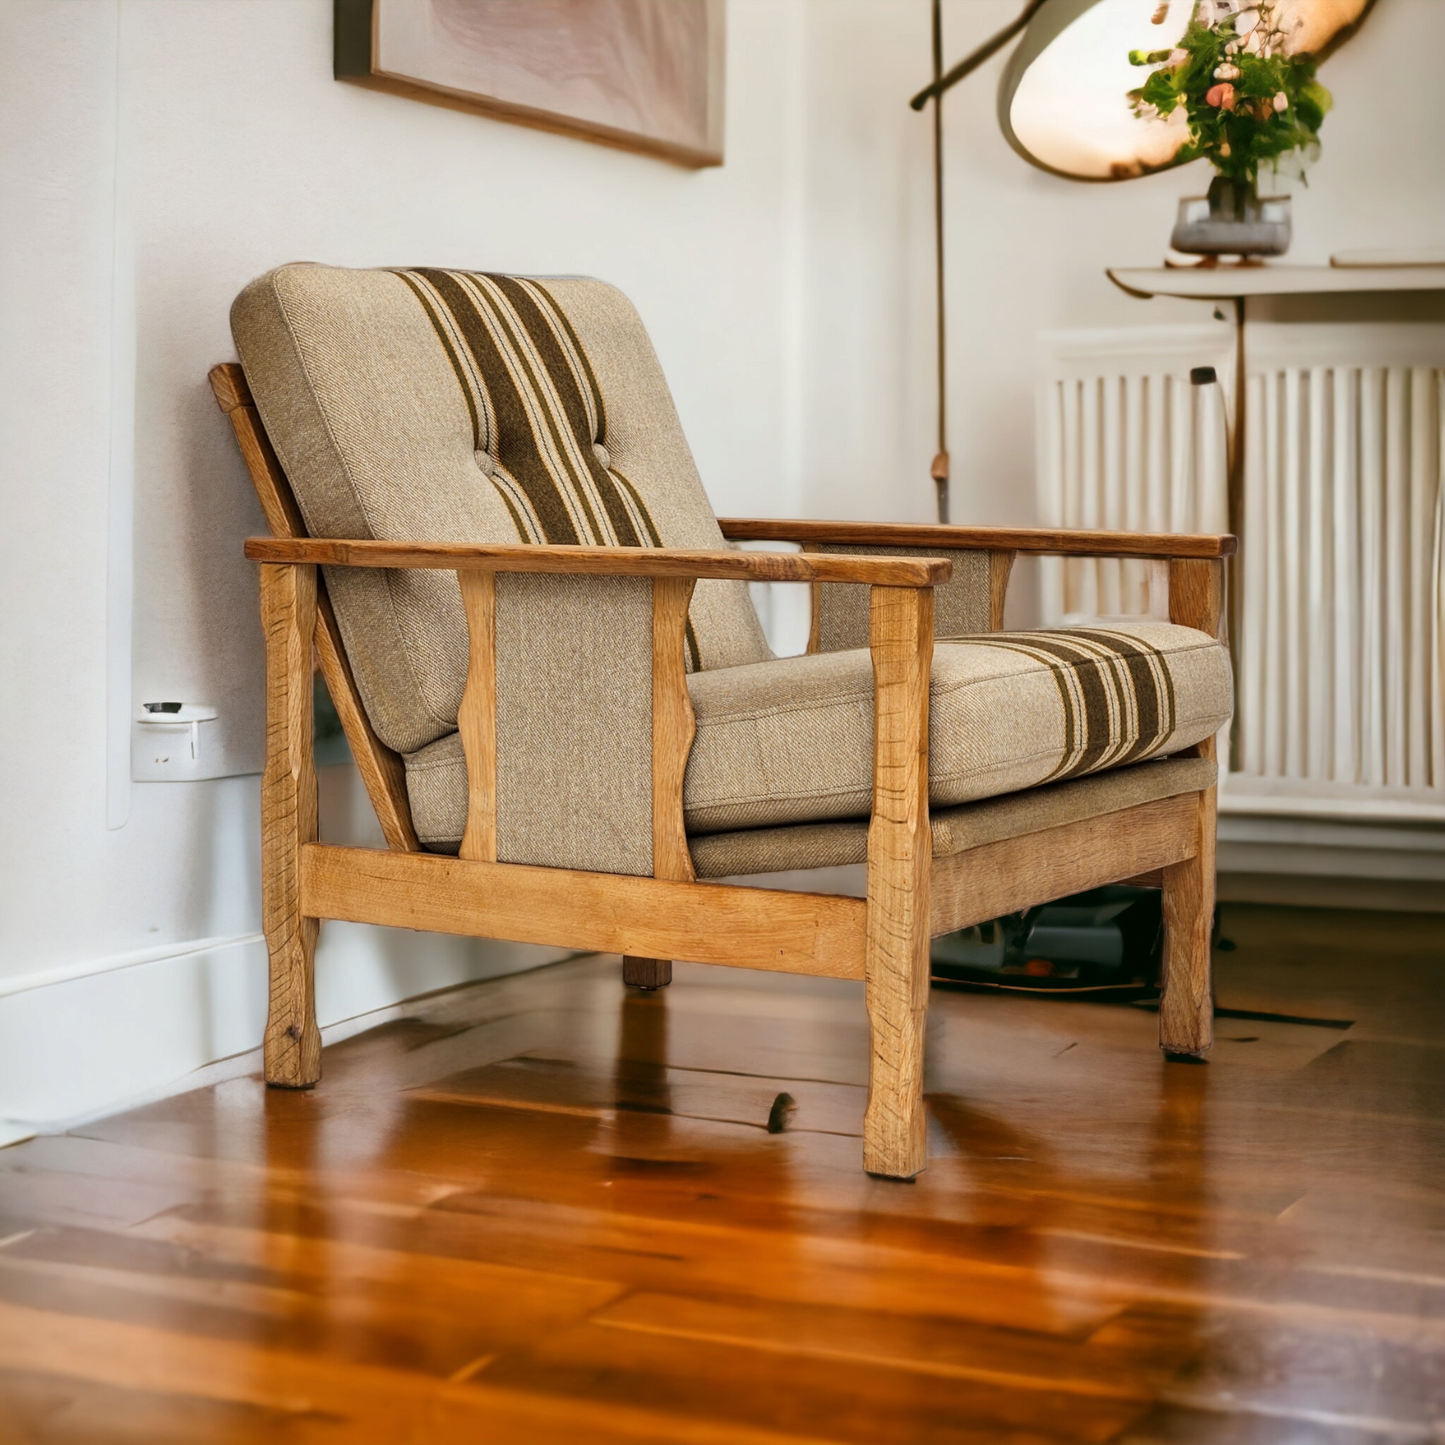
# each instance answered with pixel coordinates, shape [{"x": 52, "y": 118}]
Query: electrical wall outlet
[{"x": 176, "y": 742}]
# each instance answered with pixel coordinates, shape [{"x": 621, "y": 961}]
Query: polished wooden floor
[{"x": 545, "y": 1210}]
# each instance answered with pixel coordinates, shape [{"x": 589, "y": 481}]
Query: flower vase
[{"x": 1232, "y": 220}]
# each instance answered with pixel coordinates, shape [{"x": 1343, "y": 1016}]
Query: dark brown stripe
[
  {"x": 543, "y": 338},
  {"x": 456, "y": 362},
  {"x": 566, "y": 322},
  {"x": 1122, "y": 674},
  {"x": 548, "y": 486},
  {"x": 1157, "y": 712}
]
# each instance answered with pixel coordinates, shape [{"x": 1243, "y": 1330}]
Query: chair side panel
[
  {"x": 961, "y": 605},
  {"x": 573, "y": 730}
]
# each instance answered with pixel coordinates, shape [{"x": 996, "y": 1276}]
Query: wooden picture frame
[{"x": 644, "y": 75}]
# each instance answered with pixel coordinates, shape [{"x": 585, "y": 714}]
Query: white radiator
[{"x": 1341, "y": 653}]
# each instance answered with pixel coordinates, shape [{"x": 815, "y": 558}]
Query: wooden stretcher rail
[
  {"x": 592, "y": 912},
  {"x": 605, "y": 561},
  {"x": 989, "y": 539},
  {"x": 1015, "y": 873}
]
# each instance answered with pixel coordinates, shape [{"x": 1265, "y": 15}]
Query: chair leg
[
  {"x": 292, "y": 1050},
  {"x": 1186, "y": 1008},
  {"x": 646, "y": 972},
  {"x": 899, "y": 862},
  {"x": 895, "y": 1125}
]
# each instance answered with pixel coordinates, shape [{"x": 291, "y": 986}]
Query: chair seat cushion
[{"x": 791, "y": 740}]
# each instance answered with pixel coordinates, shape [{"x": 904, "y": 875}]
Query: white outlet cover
[{"x": 187, "y": 745}]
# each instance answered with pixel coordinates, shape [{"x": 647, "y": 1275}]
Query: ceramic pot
[{"x": 1232, "y": 220}]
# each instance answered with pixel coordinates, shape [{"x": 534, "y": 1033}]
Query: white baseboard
[
  {"x": 90, "y": 1039},
  {"x": 1332, "y": 847}
]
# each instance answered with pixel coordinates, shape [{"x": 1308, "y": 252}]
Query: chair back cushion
[{"x": 452, "y": 406}]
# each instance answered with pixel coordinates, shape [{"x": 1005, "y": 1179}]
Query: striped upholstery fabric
[
  {"x": 1116, "y": 693},
  {"x": 426, "y": 404},
  {"x": 533, "y": 399},
  {"x": 443, "y": 405},
  {"x": 791, "y": 741}
]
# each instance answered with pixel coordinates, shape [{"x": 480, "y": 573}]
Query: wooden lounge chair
[{"x": 566, "y": 716}]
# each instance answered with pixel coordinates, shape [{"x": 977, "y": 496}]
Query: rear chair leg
[
  {"x": 1186, "y": 1008},
  {"x": 292, "y": 1049},
  {"x": 646, "y": 972},
  {"x": 899, "y": 861}
]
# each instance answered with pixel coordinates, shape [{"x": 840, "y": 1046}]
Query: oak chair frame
[{"x": 883, "y": 939}]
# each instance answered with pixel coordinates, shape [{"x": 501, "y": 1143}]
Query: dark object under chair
[{"x": 1108, "y": 941}]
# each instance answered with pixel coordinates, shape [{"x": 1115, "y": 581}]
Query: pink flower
[
  {"x": 1280, "y": 101},
  {"x": 1221, "y": 95}
]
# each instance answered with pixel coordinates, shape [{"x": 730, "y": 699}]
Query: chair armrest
[
  {"x": 989, "y": 539},
  {"x": 606, "y": 561}
]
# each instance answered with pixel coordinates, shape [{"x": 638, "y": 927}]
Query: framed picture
[{"x": 643, "y": 74}]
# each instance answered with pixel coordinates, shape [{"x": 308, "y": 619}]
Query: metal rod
[
  {"x": 1234, "y": 568},
  {"x": 939, "y": 469},
  {"x": 973, "y": 60}
]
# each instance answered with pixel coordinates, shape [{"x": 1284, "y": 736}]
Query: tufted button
[
  {"x": 486, "y": 462},
  {"x": 603, "y": 455}
]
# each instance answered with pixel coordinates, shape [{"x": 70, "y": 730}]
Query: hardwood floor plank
[
  {"x": 644, "y": 1087},
  {"x": 372, "y": 1404},
  {"x": 1013, "y": 1359},
  {"x": 42, "y": 1196},
  {"x": 864, "y": 1402},
  {"x": 541, "y": 1209},
  {"x": 40, "y": 1409},
  {"x": 647, "y": 1252},
  {"x": 273, "y": 1288},
  {"x": 1284, "y": 1368}
]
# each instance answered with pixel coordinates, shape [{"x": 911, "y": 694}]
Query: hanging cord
[{"x": 940, "y": 461}]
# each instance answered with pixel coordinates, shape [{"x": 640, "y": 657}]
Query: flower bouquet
[{"x": 1250, "y": 100}]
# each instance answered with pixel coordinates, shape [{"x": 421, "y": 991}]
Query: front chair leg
[
  {"x": 1186, "y": 1006},
  {"x": 899, "y": 859},
  {"x": 292, "y": 1049},
  {"x": 646, "y": 972}
]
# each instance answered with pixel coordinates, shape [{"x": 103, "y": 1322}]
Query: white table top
[{"x": 1219, "y": 283}]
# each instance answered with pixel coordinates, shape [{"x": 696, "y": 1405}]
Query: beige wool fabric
[
  {"x": 448, "y": 406},
  {"x": 955, "y": 830},
  {"x": 374, "y": 428},
  {"x": 791, "y": 740},
  {"x": 960, "y": 605}
]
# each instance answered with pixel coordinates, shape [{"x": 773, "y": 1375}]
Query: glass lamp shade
[{"x": 1063, "y": 103}]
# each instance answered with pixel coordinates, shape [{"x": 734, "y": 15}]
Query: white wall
[
  {"x": 208, "y": 139},
  {"x": 156, "y": 154}
]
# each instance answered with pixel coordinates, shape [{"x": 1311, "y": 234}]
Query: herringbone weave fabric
[
  {"x": 450, "y": 406},
  {"x": 791, "y": 740}
]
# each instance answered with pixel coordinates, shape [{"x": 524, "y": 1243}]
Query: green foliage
[{"x": 1227, "y": 81}]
